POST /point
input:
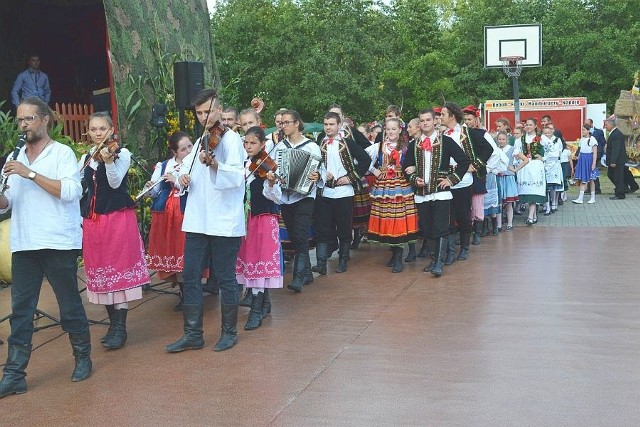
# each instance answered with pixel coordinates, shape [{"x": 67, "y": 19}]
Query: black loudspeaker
[
  {"x": 188, "y": 79},
  {"x": 158, "y": 115}
]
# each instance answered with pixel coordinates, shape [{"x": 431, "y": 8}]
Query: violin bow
[{"x": 206, "y": 120}]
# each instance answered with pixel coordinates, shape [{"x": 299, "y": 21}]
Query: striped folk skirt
[
  {"x": 361, "y": 206},
  {"x": 394, "y": 217}
]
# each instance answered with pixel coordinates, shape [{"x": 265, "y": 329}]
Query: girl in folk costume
[
  {"x": 566, "y": 161},
  {"x": 112, "y": 248},
  {"x": 507, "y": 188},
  {"x": 491, "y": 205},
  {"x": 394, "y": 219},
  {"x": 586, "y": 170},
  {"x": 259, "y": 265},
  {"x": 531, "y": 178},
  {"x": 553, "y": 169},
  {"x": 166, "y": 238}
]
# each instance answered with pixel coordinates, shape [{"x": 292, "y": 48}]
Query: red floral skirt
[{"x": 166, "y": 240}]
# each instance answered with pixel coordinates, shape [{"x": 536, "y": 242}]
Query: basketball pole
[{"x": 516, "y": 98}]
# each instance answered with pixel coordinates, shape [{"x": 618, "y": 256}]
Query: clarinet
[{"x": 14, "y": 155}]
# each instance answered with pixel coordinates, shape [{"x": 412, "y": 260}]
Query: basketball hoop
[{"x": 512, "y": 65}]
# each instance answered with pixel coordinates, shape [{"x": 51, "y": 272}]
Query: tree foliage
[{"x": 366, "y": 54}]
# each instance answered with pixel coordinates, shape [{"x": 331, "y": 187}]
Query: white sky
[{"x": 211, "y": 4}]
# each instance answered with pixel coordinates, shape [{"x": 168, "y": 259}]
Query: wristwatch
[{"x": 32, "y": 175}]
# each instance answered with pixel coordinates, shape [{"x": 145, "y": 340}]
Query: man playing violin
[
  {"x": 44, "y": 190},
  {"x": 214, "y": 222}
]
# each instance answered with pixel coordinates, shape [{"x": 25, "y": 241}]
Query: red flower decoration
[{"x": 394, "y": 159}]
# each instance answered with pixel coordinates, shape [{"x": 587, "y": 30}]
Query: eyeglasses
[
  {"x": 278, "y": 123},
  {"x": 26, "y": 119},
  {"x": 287, "y": 122}
]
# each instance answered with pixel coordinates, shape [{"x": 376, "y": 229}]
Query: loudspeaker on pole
[{"x": 188, "y": 79}]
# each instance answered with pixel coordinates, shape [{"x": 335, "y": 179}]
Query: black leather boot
[
  {"x": 424, "y": 250},
  {"x": 393, "y": 257},
  {"x": 484, "y": 231},
  {"x": 432, "y": 263},
  {"x": 322, "y": 253},
  {"x": 119, "y": 336},
  {"x": 81, "y": 345},
  {"x": 451, "y": 250},
  {"x": 465, "y": 238},
  {"x": 477, "y": 232},
  {"x": 494, "y": 225},
  {"x": 229, "y": 336},
  {"x": 398, "y": 265},
  {"x": 111, "y": 311},
  {"x": 307, "y": 275},
  {"x": 246, "y": 301},
  {"x": 298, "y": 274},
  {"x": 266, "y": 305},
  {"x": 343, "y": 255},
  {"x": 192, "y": 337},
  {"x": 255, "y": 315},
  {"x": 411, "y": 255},
  {"x": 13, "y": 377},
  {"x": 441, "y": 246}
]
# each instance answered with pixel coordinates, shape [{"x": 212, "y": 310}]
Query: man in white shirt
[
  {"x": 46, "y": 236},
  {"x": 333, "y": 212},
  {"x": 484, "y": 154},
  {"x": 296, "y": 207},
  {"x": 429, "y": 170},
  {"x": 213, "y": 222}
]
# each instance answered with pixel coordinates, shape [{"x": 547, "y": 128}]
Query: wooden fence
[{"x": 74, "y": 118}]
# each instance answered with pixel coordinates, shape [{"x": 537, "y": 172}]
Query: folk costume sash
[{"x": 347, "y": 161}]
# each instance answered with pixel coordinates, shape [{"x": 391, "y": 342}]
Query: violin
[
  {"x": 262, "y": 164},
  {"x": 111, "y": 144},
  {"x": 215, "y": 135}
]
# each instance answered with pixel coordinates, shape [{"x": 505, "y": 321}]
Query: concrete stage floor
[{"x": 540, "y": 326}]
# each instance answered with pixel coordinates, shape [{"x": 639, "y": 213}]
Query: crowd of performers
[{"x": 220, "y": 209}]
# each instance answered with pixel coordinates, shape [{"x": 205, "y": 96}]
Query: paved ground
[
  {"x": 539, "y": 327},
  {"x": 604, "y": 213}
]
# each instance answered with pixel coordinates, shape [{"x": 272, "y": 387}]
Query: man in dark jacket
[{"x": 616, "y": 158}]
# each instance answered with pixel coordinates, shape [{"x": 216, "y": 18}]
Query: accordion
[{"x": 294, "y": 167}]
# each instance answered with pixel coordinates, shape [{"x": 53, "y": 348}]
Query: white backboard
[{"x": 513, "y": 40}]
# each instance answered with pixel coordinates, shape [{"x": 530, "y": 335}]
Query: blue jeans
[
  {"x": 28, "y": 268},
  {"x": 223, "y": 252}
]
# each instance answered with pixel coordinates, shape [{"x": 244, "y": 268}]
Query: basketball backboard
[{"x": 513, "y": 40}]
